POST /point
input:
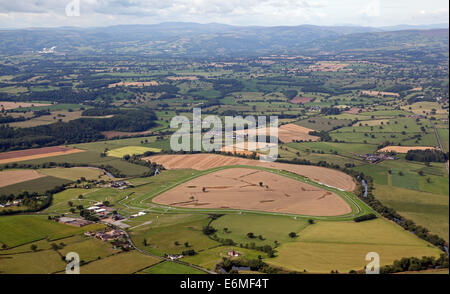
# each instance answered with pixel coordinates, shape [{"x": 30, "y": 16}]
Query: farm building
[
  {"x": 233, "y": 253},
  {"x": 76, "y": 222},
  {"x": 110, "y": 235}
]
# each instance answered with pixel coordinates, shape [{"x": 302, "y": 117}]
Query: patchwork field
[
  {"x": 206, "y": 161},
  {"x": 379, "y": 93},
  {"x": 29, "y": 154},
  {"x": 135, "y": 84},
  {"x": 13, "y": 105},
  {"x": 248, "y": 189},
  {"x": 11, "y": 177},
  {"x": 54, "y": 117},
  {"x": 301, "y": 100}
]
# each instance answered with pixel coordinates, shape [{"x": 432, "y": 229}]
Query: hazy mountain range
[{"x": 195, "y": 39}]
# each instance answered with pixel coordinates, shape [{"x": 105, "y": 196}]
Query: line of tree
[
  {"x": 75, "y": 131},
  {"x": 365, "y": 217}
]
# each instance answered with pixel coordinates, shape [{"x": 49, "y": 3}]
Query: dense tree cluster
[
  {"x": 365, "y": 217},
  {"x": 415, "y": 264},
  {"x": 428, "y": 155}
]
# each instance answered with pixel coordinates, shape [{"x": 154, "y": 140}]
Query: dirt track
[
  {"x": 206, "y": 161},
  {"x": 248, "y": 189}
]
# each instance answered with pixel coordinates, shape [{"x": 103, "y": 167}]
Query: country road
[{"x": 440, "y": 144}]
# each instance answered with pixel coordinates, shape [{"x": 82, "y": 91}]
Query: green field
[
  {"x": 427, "y": 209},
  {"x": 21, "y": 229},
  {"x": 271, "y": 228},
  {"x": 122, "y": 263},
  {"x": 40, "y": 185},
  {"x": 342, "y": 246},
  {"x": 168, "y": 267},
  {"x": 162, "y": 233},
  {"x": 208, "y": 258},
  {"x": 74, "y": 173},
  {"x": 322, "y": 123}
]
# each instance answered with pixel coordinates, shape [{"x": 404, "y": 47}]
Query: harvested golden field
[
  {"x": 205, "y": 161},
  {"x": 134, "y": 84},
  {"x": 7, "y": 105},
  {"x": 249, "y": 189},
  {"x": 286, "y": 133},
  {"x": 403, "y": 149},
  {"x": 247, "y": 148},
  {"x": 28, "y": 154},
  {"x": 379, "y": 93},
  {"x": 11, "y": 177},
  {"x": 290, "y": 132}
]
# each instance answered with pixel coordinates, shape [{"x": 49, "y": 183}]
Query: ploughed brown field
[
  {"x": 11, "y": 177},
  {"x": 28, "y": 154},
  {"x": 205, "y": 161},
  {"x": 404, "y": 149},
  {"x": 301, "y": 100},
  {"x": 249, "y": 189}
]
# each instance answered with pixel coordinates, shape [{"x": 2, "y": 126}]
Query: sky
[{"x": 86, "y": 13}]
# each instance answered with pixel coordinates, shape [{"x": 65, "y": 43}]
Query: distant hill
[{"x": 193, "y": 39}]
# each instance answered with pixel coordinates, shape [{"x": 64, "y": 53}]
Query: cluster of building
[
  {"x": 106, "y": 235},
  {"x": 12, "y": 203},
  {"x": 119, "y": 184},
  {"x": 377, "y": 157},
  {"x": 174, "y": 257},
  {"x": 100, "y": 210},
  {"x": 76, "y": 222}
]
